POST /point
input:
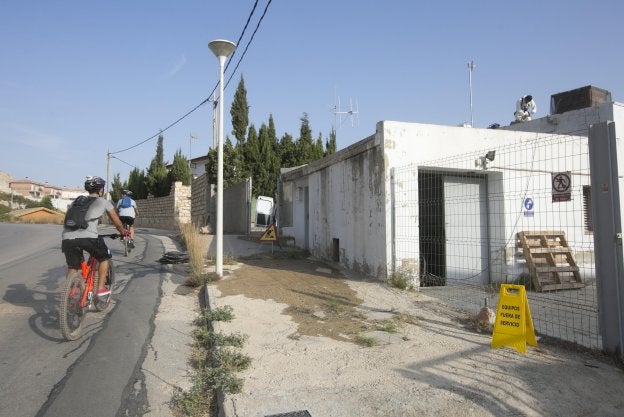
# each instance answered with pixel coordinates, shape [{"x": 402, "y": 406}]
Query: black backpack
[{"x": 76, "y": 216}]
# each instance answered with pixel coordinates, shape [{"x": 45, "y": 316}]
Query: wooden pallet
[{"x": 550, "y": 261}]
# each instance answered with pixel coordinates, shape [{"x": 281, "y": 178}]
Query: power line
[
  {"x": 248, "y": 43},
  {"x": 215, "y": 87},
  {"x": 253, "y": 9},
  {"x": 165, "y": 129},
  {"x": 127, "y": 163}
]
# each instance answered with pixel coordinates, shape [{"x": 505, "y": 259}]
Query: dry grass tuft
[{"x": 196, "y": 247}]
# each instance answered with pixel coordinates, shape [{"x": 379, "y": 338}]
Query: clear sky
[{"x": 81, "y": 78}]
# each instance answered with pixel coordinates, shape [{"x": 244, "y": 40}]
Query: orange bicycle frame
[{"x": 88, "y": 273}]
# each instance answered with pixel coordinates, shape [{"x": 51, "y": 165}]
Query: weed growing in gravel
[
  {"x": 366, "y": 341},
  {"x": 216, "y": 359},
  {"x": 389, "y": 327},
  {"x": 402, "y": 280},
  {"x": 225, "y": 313},
  {"x": 336, "y": 306},
  {"x": 210, "y": 338},
  {"x": 231, "y": 360}
]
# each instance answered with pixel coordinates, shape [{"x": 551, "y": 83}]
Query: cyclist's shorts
[
  {"x": 127, "y": 220},
  {"x": 73, "y": 250}
]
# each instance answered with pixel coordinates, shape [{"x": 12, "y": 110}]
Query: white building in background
[{"x": 364, "y": 207}]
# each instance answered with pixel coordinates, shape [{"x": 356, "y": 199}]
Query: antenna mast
[
  {"x": 342, "y": 115},
  {"x": 471, "y": 67}
]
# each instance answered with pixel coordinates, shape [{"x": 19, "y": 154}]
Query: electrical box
[{"x": 579, "y": 98}]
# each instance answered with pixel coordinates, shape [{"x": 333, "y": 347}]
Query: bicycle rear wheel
[
  {"x": 70, "y": 312},
  {"x": 102, "y": 303},
  {"x": 126, "y": 248}
]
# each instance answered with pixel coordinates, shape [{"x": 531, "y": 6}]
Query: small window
[{"x": 587, "y": 209}]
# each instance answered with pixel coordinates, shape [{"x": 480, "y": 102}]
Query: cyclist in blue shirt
[{"x": 128, "y": 211}]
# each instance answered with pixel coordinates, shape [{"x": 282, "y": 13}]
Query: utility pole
[
  {"x": 108, "y": 158},
  {"x": 471, "y": 67}
]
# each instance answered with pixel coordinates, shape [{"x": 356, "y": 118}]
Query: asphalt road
[{"x": 100, "y": 373}]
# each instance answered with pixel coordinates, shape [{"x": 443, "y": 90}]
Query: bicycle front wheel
[
  {"x": 70, "y": 312},
  {"x": 101, "y": 303}
]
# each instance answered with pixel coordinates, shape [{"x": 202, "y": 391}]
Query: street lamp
[{"x": 222, "y": 49}]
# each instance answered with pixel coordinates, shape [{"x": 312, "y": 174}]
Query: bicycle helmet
[
  {"x": 126, "y": 192},
  {"x": 94, "y": 184}
]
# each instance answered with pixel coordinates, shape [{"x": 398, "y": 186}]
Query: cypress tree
[
  {"x": 330, "y": 146},
  {"x": 137, "y": 183},
  {"x": 180, "y": 169},
  {"x": 304, "y": 143},
  {"x": 157, "y": 178},
  {"x": 287, "y": 151},
  {"x": 240, "y": 112}
]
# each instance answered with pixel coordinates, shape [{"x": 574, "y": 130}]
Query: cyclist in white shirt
[{"x": 127, "y": 209}]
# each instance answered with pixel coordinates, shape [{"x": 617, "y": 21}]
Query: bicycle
[
  {"x": 126, "y": 240},
  {"x": 78, "y": 295}
]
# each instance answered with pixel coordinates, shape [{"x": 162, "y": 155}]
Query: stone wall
[{"x": 166, "y": 212}]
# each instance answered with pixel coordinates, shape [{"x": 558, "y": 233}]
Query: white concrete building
[{"x": 365, "y": 207}]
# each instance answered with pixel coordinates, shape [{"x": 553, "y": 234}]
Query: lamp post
[{"x": 222, "y": 49}]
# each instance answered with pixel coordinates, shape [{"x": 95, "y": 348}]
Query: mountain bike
[
  {"x": 78, "y": 295},
  {"x": 126, "y": 240}
]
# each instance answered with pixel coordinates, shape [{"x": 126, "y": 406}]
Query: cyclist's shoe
[
  {"x": 103, "y": 292},
  {"x": 131, "y": 243}
]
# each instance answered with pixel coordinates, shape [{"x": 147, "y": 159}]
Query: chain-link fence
[{"x": 517, "y": 214}]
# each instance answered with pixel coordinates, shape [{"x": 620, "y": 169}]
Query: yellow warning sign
[
  {"x": 514, "y": 325},
  {"x": 270, "y": 234}
]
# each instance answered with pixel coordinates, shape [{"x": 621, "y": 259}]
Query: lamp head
[
  {"x": 221, "y": 47},
  {"x": 490, "y": 155}
]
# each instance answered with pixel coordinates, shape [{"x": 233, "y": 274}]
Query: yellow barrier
[{"x": 514, "y": 325}]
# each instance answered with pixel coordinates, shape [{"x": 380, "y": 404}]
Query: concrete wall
[
  {"x": 346, "y": 207},
  {"x": 236, "y": 207},
  {"x": 201, "y": 198}
]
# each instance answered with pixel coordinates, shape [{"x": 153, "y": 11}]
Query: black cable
[
  {"x": 120, "y": 160},
  {"x": 248, "y": 43},
  {"x": 215, "y": 88},
  {"x": 165, "y": 129},
  {"x": 242, "y": 34}
]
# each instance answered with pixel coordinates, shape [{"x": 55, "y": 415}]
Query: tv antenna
[
  {"x": 340, "y": 115},
  {"x": 471, "y": 67}
]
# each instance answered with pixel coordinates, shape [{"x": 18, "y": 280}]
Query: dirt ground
[{"x": 344, "y": 346}]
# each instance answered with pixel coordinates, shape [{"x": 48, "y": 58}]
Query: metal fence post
[{"x": 607, "y": 217}]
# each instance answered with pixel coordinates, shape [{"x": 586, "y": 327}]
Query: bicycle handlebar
[{"x": 112, "y": 235}]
